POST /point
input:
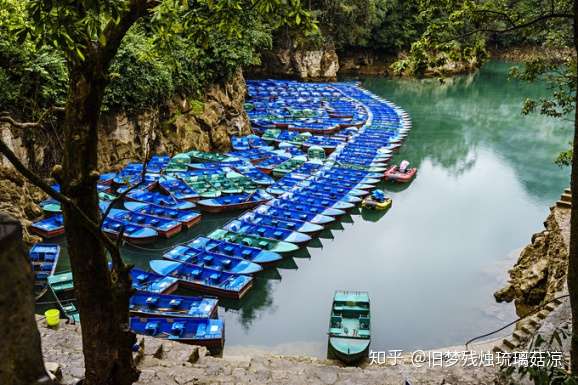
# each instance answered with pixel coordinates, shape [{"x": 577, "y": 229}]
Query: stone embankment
[{"x": 166, "y": 362}]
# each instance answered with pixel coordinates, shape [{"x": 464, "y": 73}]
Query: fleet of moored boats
[{"x": 318, "y": 151}]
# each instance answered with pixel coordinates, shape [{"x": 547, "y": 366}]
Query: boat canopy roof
[{"x": 351, "y": 296}]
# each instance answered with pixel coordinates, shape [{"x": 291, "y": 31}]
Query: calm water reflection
[{"x": 431, "y": 263}]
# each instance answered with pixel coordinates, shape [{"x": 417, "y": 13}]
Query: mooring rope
[{"x": 515, "y": 321}]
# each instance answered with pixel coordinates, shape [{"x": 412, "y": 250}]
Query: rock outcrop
[
  {"x": 315, "y": 64},
  {"x": 181, "y": 124},
  {"x": 540, "y": 272}
]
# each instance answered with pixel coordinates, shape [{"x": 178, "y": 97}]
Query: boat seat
[
  {"x": 336, "y": 321},
  {"x": 175, "y": 303},
  {"x": 246, "y": 253},
  {"x": 140, "y": 219},
  {"x": 201, "y": 330},
  {"x": 263, "y": 244},
  {"x": 177, "y": 329},
  {"x": 277, "y": 234},
  {"x": 229, "y": 249},
  {"x": 152, "y": 301},
  {"x": 226, "y": 262},
  {"x": 214, "y": 277},
  {"x": 363, "y": 333},
  {"x": 155, "y": 222},
  {"x": 363, "y": 322},
  {"x": 152, "y": 328},
  {"x": 208, "y": 259},
  {"x": 141, "y": 277}
]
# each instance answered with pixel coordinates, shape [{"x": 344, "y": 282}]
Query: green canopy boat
[
  {"x": 202, "y": 156},
  {"x": 267, "y": 244},
  {"x": 349, "y": 326},
  {"x": 213, "y": 186},
  {"x": 271, "y": 134},
  {"x": 178, "y": 163},
  {"x": 289, "y": 165}
]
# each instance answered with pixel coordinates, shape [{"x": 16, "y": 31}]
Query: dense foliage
[{"x": 156, "y": 59}]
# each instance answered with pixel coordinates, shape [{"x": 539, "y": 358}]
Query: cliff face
[
  {"x": 540, "y": 272},
  {"x": 180, "y": 125},
  {"x": 318, "y": 65}
]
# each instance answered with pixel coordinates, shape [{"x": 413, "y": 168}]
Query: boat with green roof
[
  {"x": 262, "y": 243},
  {"x": 349, "y": 326}
]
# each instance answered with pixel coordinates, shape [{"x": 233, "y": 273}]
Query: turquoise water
[{"x": 432, "y": 262}]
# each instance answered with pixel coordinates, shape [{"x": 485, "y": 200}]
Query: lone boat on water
[
  {"x": 349, "y": 326},
  {"x": 402, "y": 173}
]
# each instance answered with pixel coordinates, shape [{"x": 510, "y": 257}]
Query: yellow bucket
[{"x": 52, "y": 317}]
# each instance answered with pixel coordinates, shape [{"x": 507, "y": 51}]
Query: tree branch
[
  {"x": 114, "y": 32},
  {"x": 5, "y": 117},
  {"x": 515, "y": 27},
  {"x": 22, "y": 125},
  {"x": 60, "y": 197}
]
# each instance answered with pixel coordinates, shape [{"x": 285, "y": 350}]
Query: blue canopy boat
[
  {"x": 334, "y": 189},
  {"x": 131, "y": 232},
  {"x": 206, "y": 332},
  {"x": 231, "y": 202},
  {"x": 43, "y": 259},
  {"x": 159, "y": 199},
  {"x": 187, "y": 217},
  {"x": 164, "y": 227},
  {"x": 322, "y": 203},
  {"x": 178, "y": 306},
  {"x": 289, "y": 224},
  {"x": 204, "y": 279},
  {"x": 228, "y": 249},
  {"x": 150, "y": 282},
  {"x": 202, "y": 258},
  {"x": 50, "y": 227},
  {"x": 255, "y": 175},
  {"x": 178, "y": 188},
  {"x": 297, "y": 204},
  {"x": 284, "y": 213},
  {"x": 330, "y": 195},
  {"x": 243, "y": 227}
]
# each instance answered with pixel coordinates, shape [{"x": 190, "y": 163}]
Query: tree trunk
[
  {"x": 21, "y": 361},
  {"x": 573, "y": 253},
  {"x": 102, "y": 297}
]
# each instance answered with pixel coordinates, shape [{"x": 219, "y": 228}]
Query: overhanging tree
[{"x": 88, "y": 34}]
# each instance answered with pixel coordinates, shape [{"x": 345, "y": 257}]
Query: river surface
[{"x": 432, "y": 262}]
